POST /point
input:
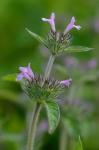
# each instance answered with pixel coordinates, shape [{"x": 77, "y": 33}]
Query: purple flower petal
[
  {"x": 30, "y": 71},
  {"x": 26, "y": 76},
  {"x": 72, "y": 25},
  {"x": 51, "y": 21},
  {"x": 66, "y": 82},
  {"x": 26, "y": 72},
  {"x": 19, "y": 77},
  {"x": 23, "y": 69}
]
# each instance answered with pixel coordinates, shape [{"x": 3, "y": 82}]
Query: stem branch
[{"x": 49, "y": 67}]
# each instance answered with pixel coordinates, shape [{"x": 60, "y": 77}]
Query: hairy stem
[
  {"x": 33, "y": 126},
  {"x": 48, "y": 68}
]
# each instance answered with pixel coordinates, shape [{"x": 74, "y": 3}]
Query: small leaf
[
  {"x": 37, "y": 37},
  {"x": 79, "y": 144},
  {"x": 10, "y": 77},
  {"x": 77, "y": 49},
  {"x": 53, "y": 114}
]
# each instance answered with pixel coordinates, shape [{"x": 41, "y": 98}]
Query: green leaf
[
  {"x": 79, "y": 144},
  {"x": 10, "y": 77},
  {"x": 37, "y": 37},
  {"x": 72, "y": 49},
  {"x": 53, "y": 114}
]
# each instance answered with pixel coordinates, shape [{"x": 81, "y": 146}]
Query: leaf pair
[{"x": 69, "y": 49}]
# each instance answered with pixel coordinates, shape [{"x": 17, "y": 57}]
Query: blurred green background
[{"x": 17, "y": 48}]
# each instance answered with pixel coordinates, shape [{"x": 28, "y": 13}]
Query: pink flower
[
  {"x": 66, "y": 82},
  {"x": 72, "y": 25},
  {"x": 26, "y": 72},
  {"x": 51, "y": 21}
]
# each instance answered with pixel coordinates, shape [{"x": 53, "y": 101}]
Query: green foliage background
[{"x": 18, "y": 48}]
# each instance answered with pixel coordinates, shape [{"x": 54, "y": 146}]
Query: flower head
[
  {"x": 26, "y": 72},
  {"x": 66, "y": 82},
  {"x": 92, "y": 63},
  {"x": 72, "y": 25},
  {"x": 51, "y": 21},
  {"x": 58, "y": 41}
]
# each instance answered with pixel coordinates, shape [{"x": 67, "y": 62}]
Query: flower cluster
[
  {"x": 33, "y": 87},
  {"x": 69, "y": 27},
  {"x": 57, "y": 42},
  {"x": 26, "y": 72}
]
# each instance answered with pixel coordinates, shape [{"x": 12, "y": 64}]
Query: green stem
[
  {"x": 33, "y": 126},
  {"x": 49, "y": 67},
  {"x": 64, "y": 140}
]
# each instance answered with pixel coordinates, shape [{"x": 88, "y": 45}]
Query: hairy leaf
[
  {"x": 37, "y": 37},
  {"x": 53, "y": 114},
  {"x": 72, "y": 49}
]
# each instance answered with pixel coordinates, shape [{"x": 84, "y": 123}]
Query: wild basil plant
[{"x": 42, "y": 89}]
